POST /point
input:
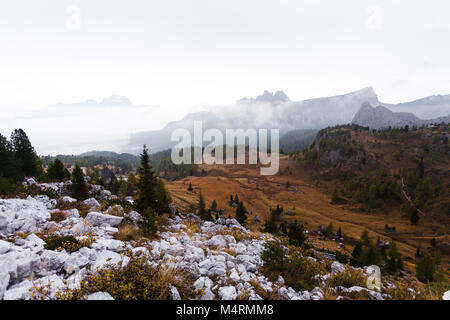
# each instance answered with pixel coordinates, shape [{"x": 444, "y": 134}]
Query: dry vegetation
[{"x": 310, "y": 202}]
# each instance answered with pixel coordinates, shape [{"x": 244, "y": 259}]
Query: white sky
[{"x": 180, "y": 54}]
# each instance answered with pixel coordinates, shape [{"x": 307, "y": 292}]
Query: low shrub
[
  {"x": 137, "y": 280},
  {"x": 297, "y": 271},
  {"x": 349, "y": 278},
  {"x": 68, "y": 243},
  {"x": 127, "y": 206},
  {"x": 58, "y": 216}
]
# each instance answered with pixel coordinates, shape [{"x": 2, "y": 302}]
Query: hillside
[{"x": 352, "y": 159}]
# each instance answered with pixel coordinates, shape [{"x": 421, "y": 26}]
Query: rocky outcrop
[{"x": 223, "y": 256}]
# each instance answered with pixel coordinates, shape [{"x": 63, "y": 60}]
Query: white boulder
[
  {"x": 92, "y": 204},
  {"x": 337, "y": 267},
  {"x": 100, "y": 296},
  {"x": 98, "y": 219},
  {"x": 446, "y": 296},
  {"x": 228, "y": 293}
]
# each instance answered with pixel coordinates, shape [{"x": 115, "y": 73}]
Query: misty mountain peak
[
  {"x": 116, "y": 100},
  {"x": 381, "y": 117},
  {"x": 368, "y": 93},
  {"x": 273, "y": 98}
]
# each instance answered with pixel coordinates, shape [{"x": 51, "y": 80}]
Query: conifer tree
[
  {"x": 56, "y": 170},
  {"x": 426, "y": 268},
  {"x": 421, "y": 169},
  {"x": 79, "y": 187},
  {"x": 146, "y": 184},
  {"x": 283, "y": 229},
  {"x": 202, "y": 212},
  {"x": 335, "y": 196},
  {"x": 214, "y": 206},
  {"x": 296, "y": 234},
  {"x": 25, "y": 152},
  {"x": 10, "y": 166},
  {"x": 330, "y": 231},
  {"x": 414, "y": 217},
  {"x": 394, "y": 262},
  {"x": 190, "y": 188},
  {"x": 148, "y": 224},
  {"x": 241, "y": 213}
]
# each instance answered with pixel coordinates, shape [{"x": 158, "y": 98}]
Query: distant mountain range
[
  {"x": 112, "y": 101},
  {"x": 276, "y": 110},
  {"x": 381, "y": 117}
]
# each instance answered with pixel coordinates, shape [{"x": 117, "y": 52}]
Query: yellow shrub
[
  {"x": 138, "y": 280},
  {"x": 349, "y": 278}
]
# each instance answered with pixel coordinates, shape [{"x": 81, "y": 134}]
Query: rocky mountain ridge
[{"x": 381, "y": 117}]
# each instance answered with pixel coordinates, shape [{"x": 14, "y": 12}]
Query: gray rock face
[
  {"x": 134, "y": 217},
  {"x": 337, "y": 267},
  {"x": 5, "y": 246},
  {"x": 98, "y": 219},
  {"x": 92, "y": 204},
  {"x": 24, "y": 215}
]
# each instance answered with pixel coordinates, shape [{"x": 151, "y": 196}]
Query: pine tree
[
  {"x": 25, "y": 152},
  {"x": 241, "y": 213},
  {"x": 190, "y": 187},
  {"x": 283, "y": 229},
  {"x": 271, "y": 224},
  {"x": 10, "y": 166},
  {"x": 365, "y": 252},
  {"x": 414, "y": 217},
  {"x": 163, "y": 198},
  {"x": 339, "y": 233},
  {"x": 146, "y": 184},
  {"x": 202, "y": 212},
  {"x": 214, "y": 206},
  {"x": 56, "y": 170},
  {"x": 330, "y": 231},
  {"x": 426, "y": 269},
  {"x": 79, "y": 187},
  {"x": 421, "y": 169},
  {"x": 335, "y": 196},
  {"x": 394, "y": 262},
  {"x": 296, "y": 234},
  {"x": 148, "y": 224}
]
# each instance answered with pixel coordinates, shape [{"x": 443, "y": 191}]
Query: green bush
[
  {"x": 297, "y": 271},
  {"x": 349, "y": 278},
  {"x": 69, "y": 243}
]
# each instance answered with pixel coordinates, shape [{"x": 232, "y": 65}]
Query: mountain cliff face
[
  {"x": 267, "y": 97},
  {"x": 381, "y": 117},
  {"x": 269, "y": 110}
]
